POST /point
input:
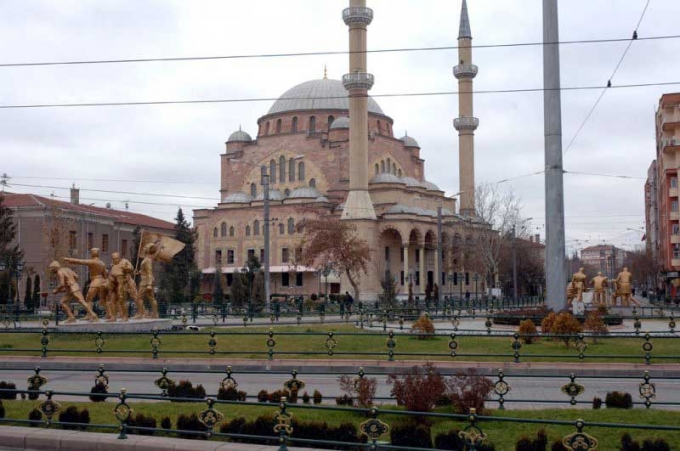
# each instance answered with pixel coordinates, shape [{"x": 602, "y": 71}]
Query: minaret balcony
[
  {"x": 358, "y": 80},
  {"x": 466, "y": 123},
  {"x": 465, "y": 71},
  {"x": 357, "y": 15}
]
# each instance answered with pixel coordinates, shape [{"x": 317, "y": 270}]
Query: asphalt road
[{"x": 538, "y": 391}]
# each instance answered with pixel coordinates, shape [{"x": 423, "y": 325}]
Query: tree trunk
[{"x": 354, "y": 284}]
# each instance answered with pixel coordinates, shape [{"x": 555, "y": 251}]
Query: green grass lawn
[
  {"x": 310, "y": 342},
  {"x": 503, "y": 434}
]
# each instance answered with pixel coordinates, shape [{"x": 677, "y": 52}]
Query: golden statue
[
  {"x": 146, "y": 283},
  {"x": 623, "y": 286},
  {"x": 578, "y": 282},
  {"x": 120, "y": 285},
  {"x": 570, "y": 293},
  {"x": 599, "y": 282},
  {"x": 97, "y": 268},
  {"x": 68, "y": 284}
]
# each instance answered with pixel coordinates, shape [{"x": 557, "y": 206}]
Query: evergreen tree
[
  {"x": 388, "y": 283},
  {"x": 36, "y": 291},
  {"x": 28, "y": 296},
  {"x": 10, "y": 253},
  {"x": 258, "y": 288},
  {"x": 179, "y": 277},
  {"x": 239, "y": 290},
  {"x": 218, "y": 291}
]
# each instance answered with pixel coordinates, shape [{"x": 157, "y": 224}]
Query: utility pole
[
  {"x": 514, "y": 262},
  {"x": 554, "y": 185},
  {"x": 440, "y": 263},
  {"x": 265, "y": 185}
]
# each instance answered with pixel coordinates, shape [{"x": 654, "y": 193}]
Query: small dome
[
  {"x": 430, "y": 186},
  {"x": 409, "y": 141},
  {"x": 340, "y": 207},
  {"x": 304, "y": 192},
  {"x": 386, "y": 177},
  {"x": 239, "y": 197},
  {"x": 411, "y": 182},
  {"x": 274, "y": 194},
  {"x": 341, "y": 122},
  {"x": 239, "y": 136},
  {"x": 323, "y": 199},
  {"x": 399, "y": 209}
]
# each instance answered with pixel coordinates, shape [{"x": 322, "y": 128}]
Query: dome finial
[{"x": 325, "y": 72}]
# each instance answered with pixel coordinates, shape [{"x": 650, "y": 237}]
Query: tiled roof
[{"x": 124, "y": 217}]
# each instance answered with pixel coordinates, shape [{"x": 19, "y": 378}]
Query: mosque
[{"x": 326, "y": 145}]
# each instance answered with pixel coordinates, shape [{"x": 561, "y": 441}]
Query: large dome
[{"x": 323, "y": 94}]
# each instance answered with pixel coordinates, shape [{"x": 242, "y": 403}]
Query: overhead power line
[
  {"x": 164, "y": 182},
  {"x": 609, "y": 80},
  {"x": 319, "y": 53},
  {"x": 605, "y": 175},
  {"x": 177, "y": 196},
  {"x": 272, "y": 99}
]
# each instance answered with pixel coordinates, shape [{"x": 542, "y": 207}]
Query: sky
[{"x": 174, "y": 149}]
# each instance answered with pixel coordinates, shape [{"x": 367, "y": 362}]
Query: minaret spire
[{"x": 466, "y": 123}]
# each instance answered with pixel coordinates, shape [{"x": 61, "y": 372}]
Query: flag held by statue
[{"x": 167, "y": 247}]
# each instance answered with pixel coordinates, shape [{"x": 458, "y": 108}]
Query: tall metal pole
[
  {"x": 514, "y": 262},
  {"x": 440, "y": 265},
  {"x": 265, "y": 185},
  {"x": 554, "y": 186}
]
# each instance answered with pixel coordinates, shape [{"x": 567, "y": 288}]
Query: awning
[
  {"x": 272, "y": 269},
  {"x": 209, "y": 270}
]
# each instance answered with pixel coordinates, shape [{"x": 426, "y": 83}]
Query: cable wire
[
  {"x": 177, "y": 196},
  {"x": 272, "y": 99},
  {"x": 320, "y": 53},
  {"x": 606, "y": 175}
]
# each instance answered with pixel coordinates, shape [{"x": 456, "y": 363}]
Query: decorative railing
[
  {"x": 465, "y": 71},
  {"x": 360, "y": 15},
  {"x": 466, "y": 123},
  {"x": 358, "y": 80}
]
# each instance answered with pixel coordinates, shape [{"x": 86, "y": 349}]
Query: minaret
[
  {"x": 466, "y": 123},
  {"x": 358, "y": 204}
]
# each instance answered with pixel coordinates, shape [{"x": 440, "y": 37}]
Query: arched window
[
  {"x": 379, "y": 128},
  {"x": 256, "y": 228},
  {"x": 301, "y": 171},
  {"x": 253, "y": 190},
  {"x": 382, "y": 166},
  {"x": 389, "y": 165},
  {"x": 215, "y": 232},
  {"x": 223, "y": 229},
  {"x": 394, "y": 169},
  {"x": 294, "y": 124},
  {"x": 278, "y": 126},
  {"x": 231, "y": 231},
  {"x": 266, "y": 128},
  {"x": 259, "y": 130},
  {"x": 291, "y": 226},
  {"x": 291, "y": 170},
  {"x": 312, "y": 124},
  {"x": 331, "y": 119},
  {"x": 281, "y": 229},
  {"x": 272, "y": 171},
  {"x": 287, "y": 192},
  {"x": 282, "y": 168},
  {"x": 398, "y": 172},
  {"x": 377, "y": 169},
  {"x": 312, "y": 183},
  {"x": 247, "y": 230}
]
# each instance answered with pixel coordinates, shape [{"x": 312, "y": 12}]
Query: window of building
[
  {"x": 455, "y": 278},
  {"x": 272, "y": 171},
  {"x": 382, "y": 166},
  {"x": 253, "y": 190},
  {"x": 278, "y": 126},
  {"x": 231, "y": 231},
  {"x": 72, "y": 238},
  {"x": 291, "y": 226},
  {"x": 331, "y": 119},
  {"x": 294, "y": 124},
  {"x": 377, "y": 169},
  {"x": 387, "y": 253},
  {"x": 266, "y": 128},
  {"x": 402, "y": 278},
  {"x": 442, "y": 282},
  {"x": 230, "y": 256},
  {"x": 287, "y": 192},
  {"x": 388, "y": 166},
  {"x": 262, "y": 256},
  {"x": 674, "y": 205},
  {"x": 251, "y": 255},
  {"x": 312, "y": 183},
  {"x": 282, "y": 168},
  {"x": 676, "y": 229},
  {"x": 394, "y": 169},
  {"x": 230, "y": 279},
  {"x": 298, "y": 279},
  {"x": 123, "y": 248},
  {"x": 281, "y": 229},
  {"x": 467, "y": 278},
  {"x": 674, "y": 182},
  {"x": 223, "y": 229},
  {"x": 247, "y": 230},
  {"x": 90, "y": 240},
  {"x": 256, "y": 228},
  {"x": 379, "y": 128},
  {"x": 215, "y": 232},
  {"x": 285, "y": 279},
  {"x": 398, "y": 172},
  {"x": 301, "y": 171},
  {"x": 417, "y": 277},
  {"x": 417, "y": 255},
  {"x": 291, "y": 170},
  {"x": 676, "y": 251},
  {"x": 285, "y": 255},
  {"x": 298, "y": 254},
  {"x": 402, "y": 253},
  {"x": 105, "y": 243},
  {"x": 312, "y": 124},
  {"x": 218, "y": 258}
]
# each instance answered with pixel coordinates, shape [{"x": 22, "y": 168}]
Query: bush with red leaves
[
  {"x": 362, "y": 388},
  {"x": 469, "y": 390},
  {"x": 418, "y": 390}
]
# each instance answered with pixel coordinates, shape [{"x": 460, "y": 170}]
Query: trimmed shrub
[
  {"x": 597, "y": 402},
  {"x": 166, "y": 423},
  {"x": 547, "y": 323},
  {"x": 657, "y": 445},
  {"x": 528, "y": 331},
  {"x": 34, "y": 415},
  {"x": 73, "y": 415},
  {"x": 292, "y": 396},
  {"x": 451, "y": 440},
  {"x": 411, "y": 435},
  {"x": 537, "y": 444},
  {"x": 190, "y": 423},
  {"x": 98, "y": 390},
  {"x": 595, "y": 324},
  {"x": 344, "y": 400},
  {"x": 8, "y": 386},
  {"x": 186, "y": 390},
  {"x": 263, "y": 426},
  {"x": 305, "y": 398},
  {"x": 627, "y": 443},
  {"x": 231, "y": 394},
  {"x": 558, "y": 446},
  {"x": 567, "y": 326},
  {"x": 618, "y": 400},
  {"x": 141, "y": 420},
  {"x": 424, "y": 327},
  {"x": 468, "y": 390},
  {"x": 316, "y": 396},
  {"x": 262, "y": 396},
  {"x": 418, "y": 390}
]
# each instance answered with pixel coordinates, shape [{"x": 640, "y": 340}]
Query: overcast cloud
[{"x": 180, "y": 145}]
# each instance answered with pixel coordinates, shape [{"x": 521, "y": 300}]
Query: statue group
[
  {"x": 621, "y": 285},
  {"x": 112, "y": 287}
]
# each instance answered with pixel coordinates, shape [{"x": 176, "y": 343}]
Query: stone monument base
[{"x": 133, "y": 325}]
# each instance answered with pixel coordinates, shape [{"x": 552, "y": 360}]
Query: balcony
[
  {"x": 675, "y": 262},
  {"x": 358, "y": 80},
  {"x": 675, "y": 216},
  {"x": 670, "y": 142},
  {"x": 466, "y": 123},
  {"x": 675, "y": 239},
  {"x": 673, "y": 192},
  {"x": 465, "y": 71},
  {"x": 357, "y": 15}
]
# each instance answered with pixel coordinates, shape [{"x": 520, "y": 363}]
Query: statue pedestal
[{"x": 133, "y": 325}]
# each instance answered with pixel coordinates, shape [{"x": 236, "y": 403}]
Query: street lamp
[{"x": 476, "y": 279}]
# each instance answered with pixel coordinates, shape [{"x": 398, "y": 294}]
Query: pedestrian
[{"x": 349, "y": 300}]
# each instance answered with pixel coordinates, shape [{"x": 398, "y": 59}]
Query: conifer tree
[
  {"x": 36, "y": 291},
  {"x": 9, "y": 253},
  {"x": 218, "y": 291},
  {"x": 178, "y": 279},
  {"x": 28, "y": 296}
]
